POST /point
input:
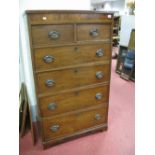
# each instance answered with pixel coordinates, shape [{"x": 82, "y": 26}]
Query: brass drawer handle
[
  {"x": 94, "y": 32},
  {"x": 54, "y": 34},
  {"x": 99, "y": 96},
  {"x": 99, "y": 74},
  {"x": 48, "y": 58},
  {"x": 97, "y": 116},
  {"x": 100, "y": 52},
  {"x": 49, "y": 83},
  {"x": 52, "y": 106},
  {"x": 55, "y": 128}
]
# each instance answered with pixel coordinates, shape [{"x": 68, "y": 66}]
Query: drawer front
[
  {"x": 90, "y": 32},
  {"x": 70, "y": 124},
  {"x": 66, "y": 102},
  {"x": 52, "y": 34},
  {"x": 71, "y": 78},
  {"x": 50, "y": 58},
  {"x": 49, "y": 18}
]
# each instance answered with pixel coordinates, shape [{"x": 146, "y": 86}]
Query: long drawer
[
  {"x": 52, "y": 34},
  {"x": 71, "y": 78},
  {"x": 49, "y": 58},
  {"x": 93, "y": 32},
  {"x": 66, "y": 125},
  {"x": 70, "y": 101}
]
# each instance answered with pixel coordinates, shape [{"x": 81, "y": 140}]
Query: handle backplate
[
  {"x": 55, "y": 128},
  {"x": 48, "y": 59},
  {"x": 54, "y": 34},
  {"x": 94, "y": 32},
  {"x": 49, "y": 83},
  {"x": 97, "y": 116},
  {"x": 100, "y": 52},
  {"x": 99, "y": 96},
  {"x": 52, "y": 106},
  {"x": 99, "y": 74}
]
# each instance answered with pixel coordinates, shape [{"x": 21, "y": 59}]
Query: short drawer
[
  {"x": 52, "y": 34},
  {"x": 90, "y": 32},
  {"x": 50, "y": 58},
  {"x": 56, "y": 81},
  {"x": 66, "y": 125},
  {"x": 70, "y": 101}
]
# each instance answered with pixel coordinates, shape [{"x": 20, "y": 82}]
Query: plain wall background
[
  {"x": 127, "y": 24},
  {"x": 26, "y": 74},
  {"x": 110, "y": 5}
]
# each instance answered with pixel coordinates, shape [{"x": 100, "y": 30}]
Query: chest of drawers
[{"x": 71, "y": 59}]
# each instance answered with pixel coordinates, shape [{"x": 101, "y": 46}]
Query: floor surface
[{"x": 118, "y": 140}]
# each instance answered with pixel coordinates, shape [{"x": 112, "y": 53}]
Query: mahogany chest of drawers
[{"x": 71, "y": 59}]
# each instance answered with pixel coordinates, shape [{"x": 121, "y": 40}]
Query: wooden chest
[{"x": 71, "y": 57}]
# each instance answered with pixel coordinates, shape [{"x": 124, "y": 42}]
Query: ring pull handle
[
  {"x": 100, "y": 52},
  {"x": 97, "y": 116},
  {"x": 54, "y": 34},
  {"x": 55, "y": 128},
  {"x": 48, "y": 59},
  {"x": 52, "y": 106},
  {"x": 99, "y": 96},
  {"x": 49, "y": 83},
  {"x": 99, "y": 74},
  {"x": 94, "y": 32}
]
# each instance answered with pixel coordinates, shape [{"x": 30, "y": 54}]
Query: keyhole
[
  {"x": 76, "y": 71},
  {"x": 77, "y": 49},
  {"x": 77, "y": 93}
]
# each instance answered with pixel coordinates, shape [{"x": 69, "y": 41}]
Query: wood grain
[
  {"x": 70, "y": 55},
  {"x": 79, "y": 134},
  {"x": 73, "y": 70},
  {"x": 73, "y": 123},
  {"x": 68, "y": 17},
  {"x": 71, "y": 78},
  {"x": 83, "y": 32},
  {"x": 40, "y": 34},
  {"x": 73, "y": 100}
]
